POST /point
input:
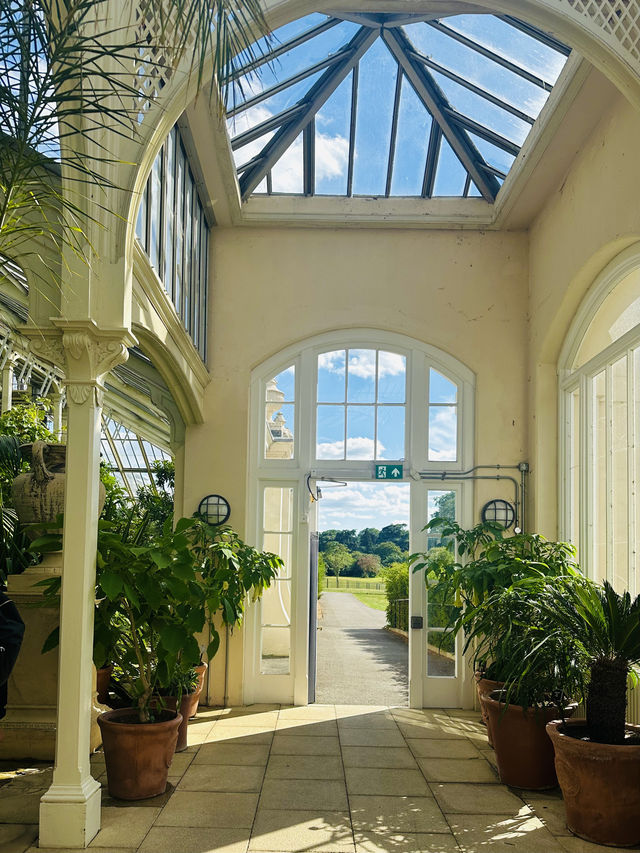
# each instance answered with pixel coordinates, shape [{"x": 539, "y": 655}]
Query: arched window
[{"x": 600, "y": 429}]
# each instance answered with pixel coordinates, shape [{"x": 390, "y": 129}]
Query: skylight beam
[
  {"x": 352, "y": 128},
  {"x": 477, "y": 90},
  {"x": 264, "y": 127},
  {"x": 309, "y": 158},
  {"x": 319, "y": 93},
  {"x": 436, "y": 103},
  {"x": 286, "y": 46},
  {"x": 495, "y": 57},
  {"x": 484, "y": 132},
  {"x": 394, "y": 131},
  {"x": 467, "y": 186},
  {"x": 539, "y": 35},
  {"x": 377, "y": 20},
  {"x": 433, "y": 153},
  {"x": 290, "y": 81}
]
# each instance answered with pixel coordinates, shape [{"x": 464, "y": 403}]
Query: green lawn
[
  {"x": 372, "y": 598},
  {"x": 376, "y": 600}
]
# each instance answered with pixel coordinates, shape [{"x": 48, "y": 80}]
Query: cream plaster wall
[
  {"x": 465, "y": 293},
  {"x": 593, "y": 215}
]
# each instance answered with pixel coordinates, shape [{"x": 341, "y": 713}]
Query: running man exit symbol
[{"x": 388, "y": 472}]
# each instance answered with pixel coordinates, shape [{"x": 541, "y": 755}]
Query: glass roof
[
  {"x": 390, "y": 105},
  {"x": 129, "y": 456}
]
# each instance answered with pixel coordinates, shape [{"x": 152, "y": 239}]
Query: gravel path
[{"x": 358, "y": 661}]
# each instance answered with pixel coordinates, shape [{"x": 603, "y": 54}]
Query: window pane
[
  {"x": 599, "y": 478},
  {"x": 362, "y": 376},
  {"x": 620, "y": 475},
  {"x": 280, "y": 544},
  {"x": 169, "y": 223},
  {"x": 392, "y": 380},
  {"x": 443, "y": 433},
  {"x": 360, "y": 431},
  {"x": 441, "y": 660},
  {"x": 330, "y": 432},
  {"x": 276, "y": 647},
  {"x": 441, "y": 390},
  {"x": 390, "y": 441},
  {"x": 280, "y": 416},
  {"x": 331, "y": 377},
  {"x": 574, "y": 468},
  {"x": 278, "y": 509}
]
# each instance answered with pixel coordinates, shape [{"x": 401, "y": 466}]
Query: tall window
[
  {"x": 601, "y": 441},
  {"x": 173, "y": 229}
]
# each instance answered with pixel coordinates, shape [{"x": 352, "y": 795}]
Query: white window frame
[{"x": 581, "y": 379}]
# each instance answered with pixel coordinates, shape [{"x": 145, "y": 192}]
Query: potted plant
[
  {"x": 489, "y": 560},
  {"x": 597, "y": 760},
  {"x": 505, "y": 628},
  {"x": 165, "y": 591}
]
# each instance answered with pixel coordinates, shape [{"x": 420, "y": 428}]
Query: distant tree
[
  {"x": 389, "y": 553},
  {"x": 446, "y": 505},
  {"x": 368, "y": 539},
  {"x": 325, "y": 537},
  {"x": 348, "y": 538},
  {"x": 396, "y": 533},
  {"x": 337, "y": 558},
  {"x": 368, "y": 565}
]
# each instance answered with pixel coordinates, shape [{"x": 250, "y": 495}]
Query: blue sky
[
  {"x": 377, "y": 83},
  {"x": 360, "y": 505}
]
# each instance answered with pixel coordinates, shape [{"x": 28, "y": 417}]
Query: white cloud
[
  {"x": 357, "y": 448},
  {"x": 443, "y": 423},
  {"x": 362, "y": 363},
  {"x": 332, "y": 362},
  {"x": 362, "y": 505},
  {"x": 332, "y": 152},
  {"x": 391, "y": 364}
]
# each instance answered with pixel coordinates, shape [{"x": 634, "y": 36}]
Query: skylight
[{"x": 387, "y": 105}]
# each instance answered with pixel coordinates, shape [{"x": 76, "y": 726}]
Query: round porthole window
[
  {"x": 500, "y": 512},
  {"x": 214, "y": 509}
]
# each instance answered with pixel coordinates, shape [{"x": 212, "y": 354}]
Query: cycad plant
[{"x": 604, "y": 627}]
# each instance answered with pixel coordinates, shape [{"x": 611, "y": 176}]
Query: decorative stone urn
[{"x": 38, "y": 496}]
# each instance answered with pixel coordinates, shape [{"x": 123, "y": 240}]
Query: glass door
[{"x": 437, "y": 675}]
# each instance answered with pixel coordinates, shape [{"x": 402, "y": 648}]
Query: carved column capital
[{"x": 90, "y": 353}]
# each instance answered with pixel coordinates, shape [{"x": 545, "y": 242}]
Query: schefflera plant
[{"x": 165, "y": 591}]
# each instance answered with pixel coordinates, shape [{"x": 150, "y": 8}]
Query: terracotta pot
[
  {"x": 188, "y": 705},
  {"x": 38, "y": 496},
  {"x": 524, "y": 752},
  {"x": 138, "y": 755},
  {"x": 485, "y": 686},
  {"x": 201, "y": 669},
  {"x": 600, "y": 784},
  {"x": 103, "y": 677}
]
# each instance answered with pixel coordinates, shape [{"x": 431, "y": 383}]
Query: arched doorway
[{"x": 344, "y": 405}]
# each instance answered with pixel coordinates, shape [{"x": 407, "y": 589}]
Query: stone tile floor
[{"x": 321, "y": 779}]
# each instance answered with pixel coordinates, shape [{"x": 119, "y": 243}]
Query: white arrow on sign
[{"x": 395, "y": 473}]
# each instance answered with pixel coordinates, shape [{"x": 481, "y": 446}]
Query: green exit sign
[{"x": 388, "y": 472}]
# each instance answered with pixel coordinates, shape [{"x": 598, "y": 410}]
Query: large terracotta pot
[
  {"x": 138, "y": 755},
  {"x": 484, "y": 686},
  {"x": 103, "y": 679},
  {"x": 600, "y": 784},
  {"x": 38, "y": 495},
  {"x": 201, "y": 669},
  {"x": 524, "y": 752},
  {"x": 188, "y": 705}
]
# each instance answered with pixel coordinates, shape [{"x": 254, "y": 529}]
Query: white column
[
  {"x": 7, "y": 384},
  {"x": 57, "y": 400},
  {"x": 70, "y": 810}
]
